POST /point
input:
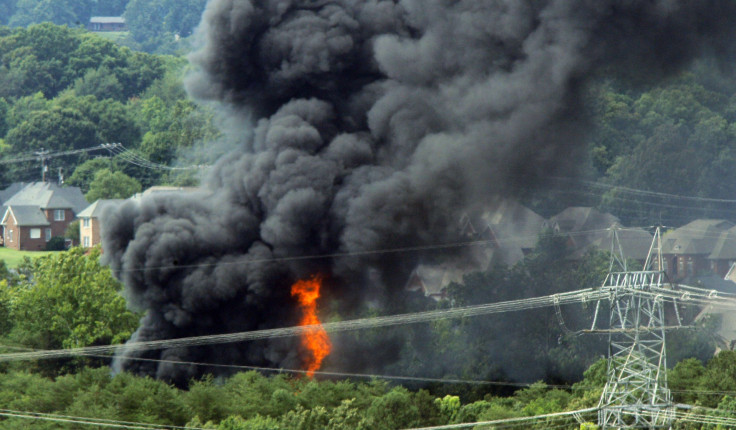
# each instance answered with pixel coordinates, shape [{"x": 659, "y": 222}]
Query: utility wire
[
  {"x": 363, "y": 323},
  {"x": 107, "y": 146},
  {"x": 133, "y": 158},
  {"x": 585, "y": 295},
  {"x": 506, "y": 421},
  {"x": 642, "y": 192},
  {"x": 100, "y": 422}
]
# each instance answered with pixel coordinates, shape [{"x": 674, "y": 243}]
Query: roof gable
[
  {"x": 27, "y": 216},
  {"x": 7, "y": 212}
]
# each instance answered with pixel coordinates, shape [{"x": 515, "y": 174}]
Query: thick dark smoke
[{"x": 366, "y": 125}]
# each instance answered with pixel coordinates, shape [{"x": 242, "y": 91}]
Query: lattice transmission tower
[{"x": 636, "y": 393}]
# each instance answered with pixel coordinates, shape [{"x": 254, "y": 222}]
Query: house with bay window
[{"x": 38, "y": 212}]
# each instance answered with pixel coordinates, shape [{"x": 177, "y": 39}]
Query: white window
[
  {"x": 48, "y": 234},
  {"x": 35, "y": 233},
  {"x": 85, "y": 222},
  {"x": 86, "y": 242},
  {"x": 10, "y": 236},
  {"x": 58, "y": 214}
]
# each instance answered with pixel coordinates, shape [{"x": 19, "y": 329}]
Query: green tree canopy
[
  {"x": 71, "y": 302},
  {"x": 112, "y": 185}
]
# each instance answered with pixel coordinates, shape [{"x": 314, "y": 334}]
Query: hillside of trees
[
  {"x": 155, "y": 26},
  {"x": 657, "y": 155},
  {"x": 65, "y": 89}
]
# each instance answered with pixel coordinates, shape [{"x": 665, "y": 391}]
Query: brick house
[
  {"x": 697, "y": 247},
  {"x": 5, "y": 195},
  {"x": 90, "y": 226},
  {"x": 37, "y": 213}
]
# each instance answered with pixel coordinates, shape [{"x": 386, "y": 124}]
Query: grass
[
  {"x": 114, "y": 36},
  {"x": 13, "y": 258}
]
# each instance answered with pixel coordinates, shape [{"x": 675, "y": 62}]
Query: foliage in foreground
[
  {"x": 63, "y": 300},
  {"x": 249, "y": 401}
]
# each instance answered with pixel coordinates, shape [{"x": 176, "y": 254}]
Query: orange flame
[{"x": 314, "y": 339}]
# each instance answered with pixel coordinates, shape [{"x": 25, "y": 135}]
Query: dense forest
[{"x": 65, "y": 89}]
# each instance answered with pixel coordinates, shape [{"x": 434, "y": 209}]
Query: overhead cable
[{"x": 339, "y": 326}]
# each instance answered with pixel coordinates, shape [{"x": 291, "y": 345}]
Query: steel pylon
[{"x": 636, "y": 393}]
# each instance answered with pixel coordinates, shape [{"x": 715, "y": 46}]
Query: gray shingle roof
[
  {"x": 11, "y": 190},
  {"x": 697, "y": 237},
  {"x": 635, "y": 242},
  {"x": 96, "y": 209},
  {"x": 583, "y": 225},
  {"x": 27, "y": 215},
  {"x": 47, "y": 195},
  {"x": 725, "y": 247}
]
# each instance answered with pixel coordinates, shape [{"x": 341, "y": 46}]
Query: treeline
[
  {"x": 251, "y": 401},
  {"x": 155, "y": 26},
  {"x": 65, "y": 89}
]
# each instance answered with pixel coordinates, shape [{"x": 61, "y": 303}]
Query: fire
[{"x": 315, "y": 339}]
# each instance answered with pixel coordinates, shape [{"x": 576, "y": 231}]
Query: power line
[
  {"x": 46, "y": 155},
  {"x": 356, "y": 324},
  {"x": 642, "y": 192},
  {"x": 101, "y": 422},
  {"x": 586, "y": 295},
  {"x": 132, "y": 157},
  {"x": 507, "y": 421}
]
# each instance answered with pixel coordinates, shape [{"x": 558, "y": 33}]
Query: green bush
[{"x": 57, "y": 243}]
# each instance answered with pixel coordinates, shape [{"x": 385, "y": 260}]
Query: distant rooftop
[
  {"x": 107, "y": 20},
  {"x": 96, "y": 209},
  {"x": 47, "y": 195}
]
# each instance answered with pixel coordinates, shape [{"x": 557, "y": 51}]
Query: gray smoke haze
[{"x": 369, "y": 125}]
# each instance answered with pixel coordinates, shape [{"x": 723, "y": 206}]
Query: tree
[
  {"x": 74, "y": 13},
  {"x": 112, "y": 185},
  {"x": 55, "y": 129},
  {"x": 72, "y": 302},
  {"x": 84, "y": 174},
  {"x": 100, "y": 83},
  {"x": 72, "y": 233},
  {"x": 155, "y": 24}
]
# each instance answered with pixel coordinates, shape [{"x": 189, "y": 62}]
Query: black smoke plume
[{"x": 365, "y": 125}]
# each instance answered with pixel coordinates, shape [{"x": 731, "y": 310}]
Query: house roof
[
  {"x": 725, "y": 246},
  {"x": 47, "y": 195},
  {"x": 433, "y": 279},
  {"x": 635, "y": 242},
  {"x": 514, "y": 224},
  {"x": 163, "y": 189},
  {"x": 581, "y": 219},
  {"x": 11, "y": 190},
  {"x": 698, "y": 237},
  {"x": 107, "y": 20},
  {"x": 96, "y": 209},
  {"x": 583, "y": 225},
  {"x": 509, "y": 227},
  {"x": 26, "y": 216}
]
